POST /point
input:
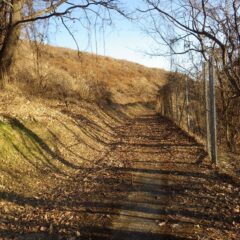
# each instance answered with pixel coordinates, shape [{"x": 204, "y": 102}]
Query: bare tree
[
  {"x": 14, "y": 14},
  {"x": 208, "y": 27},
  {"x": 203, "y": 29}
]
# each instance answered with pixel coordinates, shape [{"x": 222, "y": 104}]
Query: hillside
[
  {"x": 59, "y": 112},
  {"x": 84, "y": 156},
  {"x": 59, "y": 72}
]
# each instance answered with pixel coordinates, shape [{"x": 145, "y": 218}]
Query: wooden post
[{"x": 212, "y": 113}]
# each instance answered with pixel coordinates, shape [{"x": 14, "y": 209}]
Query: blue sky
[{"x": 124, "y": 39}]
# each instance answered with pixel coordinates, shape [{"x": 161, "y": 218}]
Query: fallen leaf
[{"x": 162, "y": 224}]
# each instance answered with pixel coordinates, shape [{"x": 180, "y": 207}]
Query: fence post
[
  {"x": 212, "y": 113},
  {"x": 206, "y": 93},
  {"x": 187, "y": 102}
]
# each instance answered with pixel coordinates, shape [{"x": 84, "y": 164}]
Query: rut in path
[{"x": 155, "y": 184}]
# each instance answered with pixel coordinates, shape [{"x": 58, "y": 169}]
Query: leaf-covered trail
[
  {"x": 171, "y": 191},
  {"x": 155, "y": 183}
]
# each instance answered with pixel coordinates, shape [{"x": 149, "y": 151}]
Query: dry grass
[
  {"x": 44, "y": 140},
  {"x": 59, "y": 115},
  {"x": 60, "y": 73},
  {"x": 54, "y": 133},
  {"x": 61, "y": 111}
]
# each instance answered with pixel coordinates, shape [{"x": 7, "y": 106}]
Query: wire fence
[{"x": 196, "y": 106}]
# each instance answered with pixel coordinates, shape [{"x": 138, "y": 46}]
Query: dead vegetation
[
  {"x": 58, "y": 73},
  {"x": 73, "y": 148},
  {"x": 59, "y": 111},
  {"x": 149, "y": 184}
]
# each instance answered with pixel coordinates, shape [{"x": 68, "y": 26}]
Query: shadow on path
[{"x": 134, "y": 194}]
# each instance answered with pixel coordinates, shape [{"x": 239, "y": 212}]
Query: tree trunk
[{"x": 10, "y": 41}]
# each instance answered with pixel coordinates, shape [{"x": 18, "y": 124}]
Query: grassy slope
[
  {"x": 88, "y": 76},
  {"x": 45, "y": 140}
]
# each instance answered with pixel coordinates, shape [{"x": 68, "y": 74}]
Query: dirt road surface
[{"x": 155, "y": 183}]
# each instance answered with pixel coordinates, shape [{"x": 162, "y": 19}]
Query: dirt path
[
  {"x": 153, "y": 184},
  {"x": 171, "y": 191}
]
